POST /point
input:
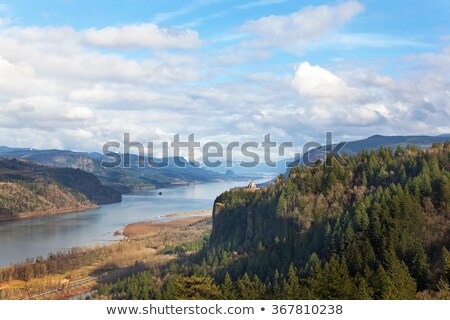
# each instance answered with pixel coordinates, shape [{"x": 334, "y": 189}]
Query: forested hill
[
  {"x": 377, "y": 228},
  {"x": 28, "y": 189}
]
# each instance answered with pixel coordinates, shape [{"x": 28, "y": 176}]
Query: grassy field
[{"x": 145, "y": 247}]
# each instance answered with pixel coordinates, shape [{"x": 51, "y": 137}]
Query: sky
[{"x": 76, "y": 74}]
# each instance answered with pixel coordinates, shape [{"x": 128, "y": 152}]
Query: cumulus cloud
[
  {"x": 318, "y": 83},
  {"x": 295, "y": 30},
  {"x": 332, "y": 100},
  {"x": 368, "y": 101}
]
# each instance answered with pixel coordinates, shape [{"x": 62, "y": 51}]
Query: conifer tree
[
  {"x": 228, "y": 289},
  {"x": 291, "y": 284}
]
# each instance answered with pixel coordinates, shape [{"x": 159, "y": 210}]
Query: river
[{"x": 42, "y": 235}]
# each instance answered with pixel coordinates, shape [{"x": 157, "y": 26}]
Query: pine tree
[
  {"x": 363, "y": 290},
  {"x": 260, "y": 247},
  {"x": 402, "y": 173},
  {"x": 361, "y": 217},
  {"x": 425, "y": 180},
  {"x": 313, "y": 266},
  {"x": 335, "y": 281},
  {"x": 446, "y": 263},
  {"x": 276, "y": 289},
  {"x": 196, "y": 288},
  {"x": 404, "y": 285},
  {"x": 244, "y": 288},
  {"x": 228, "y": 289},
  {"x": 420, "y": 269},
  {"x": 259, "y": 289},
  {"x": 364, "y": 179},
  {"x": 383, "y": 285},
  {"x": 443, "y": 289},
  {"x": 291, "y": 285}
]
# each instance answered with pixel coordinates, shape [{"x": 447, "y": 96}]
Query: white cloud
[
  {"x": 127, "y": 37},
  {"x": 297, "y": 29},
  {"x": 436, "y": 60},
  {"x": 59, "y": 88},
  {"x": 369, "y": 102},
  {"x": 331, "y": 101},
  {"x": 44, "y": 35},
  {"x": 145, "y": 35},
  {"x": 372, "y": 40},
  {"x": 52, "y": 83},
  {"x": 318, "y": 83},
  {"x": 14, "y": 78}
]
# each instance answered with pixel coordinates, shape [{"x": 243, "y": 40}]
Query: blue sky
[
  {"x": 155, "y": 68},
  {"x": 403, "y": 27}
]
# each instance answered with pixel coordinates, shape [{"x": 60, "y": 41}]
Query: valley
[{"x": 380, "y": 225}]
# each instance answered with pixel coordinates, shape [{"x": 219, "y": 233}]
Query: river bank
[
  {"x": 53, "y": 212},
  {"x": 90, "y": 266},
  {"x": 39, "y": 236},
  {"x": 182, "y": 219}
]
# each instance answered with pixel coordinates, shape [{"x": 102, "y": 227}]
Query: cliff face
[
  {"x": 27, "y": 189},
  {"x": 236, "y": 221},
  {"x": 216, "y": 214},
  {"x": 242, "y": 219}
]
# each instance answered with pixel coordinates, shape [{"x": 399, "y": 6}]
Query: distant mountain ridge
[
  {"x": 135, "y": 178},
  {"x": 121, "y": 179},
  {"x": 371, "y": 143},
  {"x": 352, "y": 147}
]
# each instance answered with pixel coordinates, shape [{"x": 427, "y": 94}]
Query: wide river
[{"x": 40, "y": 236}]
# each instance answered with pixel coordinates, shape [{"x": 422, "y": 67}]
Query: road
[
  {"x": 71, "y": 285},
  {"x": 109, "y": 276}
]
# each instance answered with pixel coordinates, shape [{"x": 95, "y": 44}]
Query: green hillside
[
  {"x": 27, "y": 189},
  {"x": 378, "y": 228}
]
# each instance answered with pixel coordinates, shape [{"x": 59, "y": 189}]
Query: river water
[{"x": 40, "y": 236}]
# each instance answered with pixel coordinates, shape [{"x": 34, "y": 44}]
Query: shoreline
[
  {"x": 38, "y": 214},
  {"x": 113, "y": 260},
  {"x": 183, "y": 219},
  {"x": 188, "y": 213},
  {"x": 194, "y": 183}
]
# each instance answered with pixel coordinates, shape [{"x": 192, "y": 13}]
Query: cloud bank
[{"x": 67, "y": 88}]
